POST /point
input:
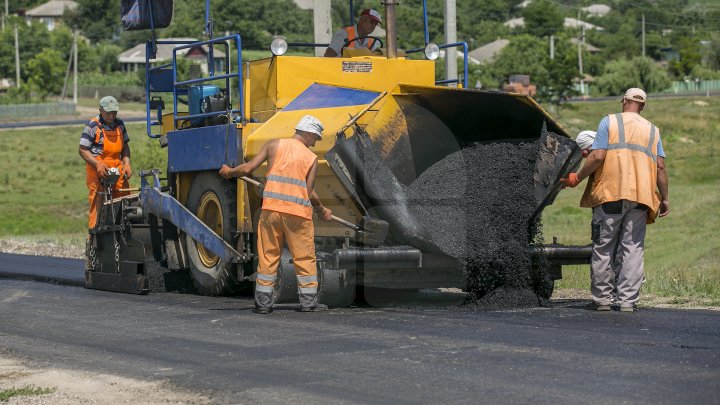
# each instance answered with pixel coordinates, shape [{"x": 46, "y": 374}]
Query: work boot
[
  {"x": 263, "y": 302},
  {"x": 627, "y": 308},
  {"x": 602, "y": 308},
  {"x": 316, "y": 308}
]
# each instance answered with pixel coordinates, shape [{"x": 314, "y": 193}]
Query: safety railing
[
  {"x": 465, "y": 62},
  {"x": 163, "y": 79},
  {"x": 212, "y": 76}
]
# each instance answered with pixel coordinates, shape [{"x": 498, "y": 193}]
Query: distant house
[
  {"x": 134, "y": 58},
  {"x": 50, "y": 13},
  {"x": 568, "y": 23},
  {"x": 487, "y": 52},
  {"x": 597, "y": 10}
]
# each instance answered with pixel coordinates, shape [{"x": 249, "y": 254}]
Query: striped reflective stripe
[
  {"x": 308, "y": 290},
  {"x": 265, "y": 277},
  {"x": 263, "y": 288},
  {"x": 621, "y": 127},
  {"x": 287, "y": 180},
  {"x": 631, "y": 146},
  {"x": 288, "y": 198},
  {"x": 652, "y": 137},
  {"x": 306, "y": 279}
]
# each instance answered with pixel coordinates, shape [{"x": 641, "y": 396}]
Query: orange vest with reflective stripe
[
  {"x": 352, "y": 34},
  {"x": 286, "y": 188},
  {"x": 629, "y": 171}
]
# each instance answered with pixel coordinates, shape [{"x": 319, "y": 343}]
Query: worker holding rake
[{"x": 288, "y": 204}]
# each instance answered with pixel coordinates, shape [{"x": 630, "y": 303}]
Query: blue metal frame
[
  {"x": 227, "y": 77},
  {"x": 150, "y": 54}
]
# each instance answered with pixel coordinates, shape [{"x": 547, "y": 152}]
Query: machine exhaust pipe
[{"x": 391, "y": 28}]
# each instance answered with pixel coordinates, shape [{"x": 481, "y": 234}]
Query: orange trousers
[
  {"x": 93, "y": 184},
  {"x": 274, "y": 229}
]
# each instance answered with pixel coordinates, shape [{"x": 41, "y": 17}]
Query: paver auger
[{"x": 386, "y": 122}]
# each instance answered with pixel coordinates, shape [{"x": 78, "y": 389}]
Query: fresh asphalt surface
[{"x": 411, "y": 354}]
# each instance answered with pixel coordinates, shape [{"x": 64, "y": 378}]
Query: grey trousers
[{"x": 618, "y": 233}]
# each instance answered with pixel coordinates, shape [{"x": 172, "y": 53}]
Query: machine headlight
[
  {"x": 279, "y": 46},
  {"x": 432, "y": 51}
]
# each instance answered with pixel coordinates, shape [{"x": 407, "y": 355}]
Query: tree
[
  {"x": 636, "y": 72},
  {"x": 46, "y": 72},
  {"x": 688, "y": 47},
  {"x": 543, "y": 18}
]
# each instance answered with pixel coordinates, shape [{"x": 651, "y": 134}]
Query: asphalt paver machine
[{"x": 386, "y": 120}]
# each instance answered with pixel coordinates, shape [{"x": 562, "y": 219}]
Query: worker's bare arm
[
  {"x": 88, "y": 157},
  {"x": 323, "y": 212},
  {"x": 594, "y": 160},
  {"x": 248, "y": 167},
  {"x": 663, "y": 187},
  {"x": 330, "y": 53},
  {"x": 125, "y": 154}
]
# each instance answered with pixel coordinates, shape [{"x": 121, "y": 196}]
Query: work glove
[
  {"x": 101, "y": 169},
  {"x": 127, "y": 171},
  {"x": 225, "y": 172},
  {"x": 571, "y": 180}
]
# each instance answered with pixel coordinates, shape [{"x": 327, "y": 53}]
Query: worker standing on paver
[
  {"x": 626, "y": 167},
  {"x": 104, "y": 145},
  {"x": 288, "y": 203},
  {"x": 346, "y": 37}
]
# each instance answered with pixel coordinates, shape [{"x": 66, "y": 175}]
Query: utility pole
[
  {"x": 17, "y": 60},
  {"x": 581, "y": 42},
  {"x": 5, "y": 15},
  {"x": 643, "y": 35},
  {"x": 450, "y": 38},
  {"x": 552, "y": 47},
  {"x": 75, "y": 67},
  {"x": 322, "y": 24}
]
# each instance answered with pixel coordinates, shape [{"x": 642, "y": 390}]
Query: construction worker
[
  {"x": 288, "y": 204},
  {"x": 345, "y": 37},
  {"x": 104, "y": 145},
  {"x": 628, "y": 188}
]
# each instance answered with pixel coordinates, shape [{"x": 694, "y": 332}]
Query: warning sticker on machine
[{"x": 356, "y": 67}]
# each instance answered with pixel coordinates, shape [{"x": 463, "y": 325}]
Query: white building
[{"x": 50, "y": 13}]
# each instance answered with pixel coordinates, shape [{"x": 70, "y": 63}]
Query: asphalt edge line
[{"x": 42, "y": 278}]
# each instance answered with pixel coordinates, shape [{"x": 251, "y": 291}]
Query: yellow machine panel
[{"x": 276, "y": 81}]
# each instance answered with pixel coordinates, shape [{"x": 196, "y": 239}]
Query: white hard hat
[
  {"x": 585, "y": 139},
  {"x": 311, "y": 124}
]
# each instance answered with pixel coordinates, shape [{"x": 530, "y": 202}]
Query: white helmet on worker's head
[
  {"x": 585, "y": 139},
  {"x": 310, "y": 124}
]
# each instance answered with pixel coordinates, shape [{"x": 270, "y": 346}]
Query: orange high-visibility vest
[
  {"x": 629, "y": 171},
  {"x": 352, "y": 34},
  {"x": 286, "y": 187}
]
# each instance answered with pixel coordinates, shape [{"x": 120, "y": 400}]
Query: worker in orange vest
[
  {"x": 346, "y": 37},
  {"x": 627, "y": 189},
  {"x": 288, "y": 204},
  {"x": 104, "y": 145}
]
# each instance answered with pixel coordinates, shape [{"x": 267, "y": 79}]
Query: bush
[{"x": 636, "y": 72}]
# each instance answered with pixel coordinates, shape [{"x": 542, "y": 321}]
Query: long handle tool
[{"x": 370, "y": 232}]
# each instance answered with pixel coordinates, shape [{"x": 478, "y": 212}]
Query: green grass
[
  {"x": 42, "y": 179},
  {"x": 24, "y": 392},
  {"x": 682, "y": 250},
  {"x": 43, "y": 194}
]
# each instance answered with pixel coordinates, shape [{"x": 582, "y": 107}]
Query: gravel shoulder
[{"x": 79, "y": 387}]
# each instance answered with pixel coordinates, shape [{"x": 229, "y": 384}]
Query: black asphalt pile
[{"x": 475, "y": 204}]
